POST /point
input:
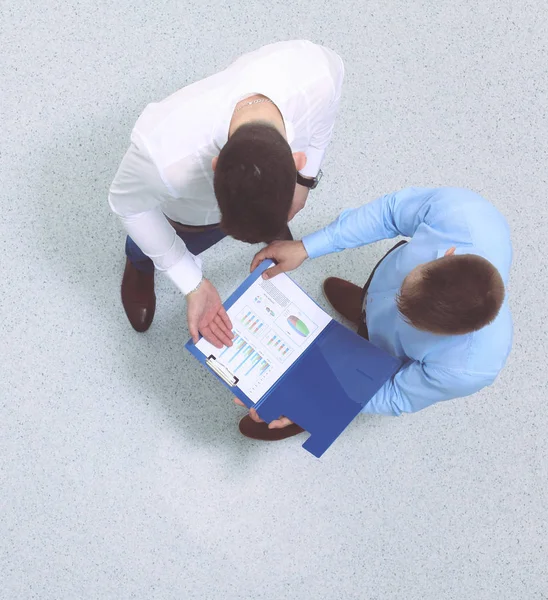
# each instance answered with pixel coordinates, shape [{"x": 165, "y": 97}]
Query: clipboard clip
[{"x": 221, "y": 371}]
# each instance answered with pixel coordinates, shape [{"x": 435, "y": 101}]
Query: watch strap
[{"x": 307, "y": 182}]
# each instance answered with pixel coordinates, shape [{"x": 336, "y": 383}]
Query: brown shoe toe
[
  {"x": 138, "y": 297},
  {"x": 140, "y": 317},
  {"x": 260, "y": 431},
  {"x": 344, "y": 297}
]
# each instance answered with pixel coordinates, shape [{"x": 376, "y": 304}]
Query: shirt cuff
[
  {"x": 314, "y": 158},
  {"x": 317, "y": 244},
  {"x": 186, "y": 274}
]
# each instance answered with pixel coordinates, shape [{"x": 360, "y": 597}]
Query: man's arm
[
  {"x": 399, "y": 213},
  {"x": 315, "y": 152},
  {"x": 418, "y": 385},
  {"x": 299, "y": 200},
  {"x": 135, "y": 196},
  {"x": 321, "y": 136},
  {"x": 322, "y": 128}
]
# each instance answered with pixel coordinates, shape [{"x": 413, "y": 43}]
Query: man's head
[
  {"x": 255, "y": 178},
  {"x": 452, "y": 295}
]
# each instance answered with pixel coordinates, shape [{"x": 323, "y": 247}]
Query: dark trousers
[
  {"x": 362, "y": 328},
  {"x": 197, "y": 240}
]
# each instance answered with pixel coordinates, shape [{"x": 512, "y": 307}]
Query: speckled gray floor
[{"x": 122, "y": 473}]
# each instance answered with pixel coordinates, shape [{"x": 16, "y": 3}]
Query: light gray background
[{"x": 122, "y": 471}]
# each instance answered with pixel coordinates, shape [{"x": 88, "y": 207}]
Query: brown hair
[
  {"x": 453, "y": 295},
  {"x": 254, "y": 183}
]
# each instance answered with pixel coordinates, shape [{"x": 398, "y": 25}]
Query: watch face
[{"x": 317, "y": 179}]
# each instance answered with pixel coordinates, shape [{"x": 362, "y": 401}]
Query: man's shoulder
[
  {"x": 174, "y": 132},
  {"x": 491, "y": 345},
  {"x": 279, "y": 49},
  {"x": 471, "y": 223},
  {"x": 292, "y": 65},
  {"x": 187, "y": 108},
  {"x": 469, "y": 203},
  {"x": 456, "y": 199},
  {"x": 478, "y": 356}
]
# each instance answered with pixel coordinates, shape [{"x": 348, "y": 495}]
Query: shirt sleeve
[
  {"x": 399, "y": 213},
  {"x": 418, "y": 385},
  {"x": 323, "y": 129},
  {"x": 136, "y": 195},
  {"x": 320, "y": 140}
]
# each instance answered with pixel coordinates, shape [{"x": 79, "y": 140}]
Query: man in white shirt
[{"x": 234, "y": 154}]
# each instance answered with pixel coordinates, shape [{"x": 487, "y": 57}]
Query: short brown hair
[
  {"x": 254, "y": 183},
  {"x": 453, "y": 295}
]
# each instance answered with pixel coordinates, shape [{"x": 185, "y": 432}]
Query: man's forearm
[
  {"x": 350, "y": 230},
  {"x": 399, "y": 213},
  {"x": 157, "y": 239},
  {"x": 299, "y": 200}
]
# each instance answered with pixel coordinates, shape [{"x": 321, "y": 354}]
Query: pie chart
[{"x": 297, "y": 325}]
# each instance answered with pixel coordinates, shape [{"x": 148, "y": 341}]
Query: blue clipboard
[{"x": 326, "y": 387}]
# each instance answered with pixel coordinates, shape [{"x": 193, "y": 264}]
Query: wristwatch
[{"x": 309, "y": 182}]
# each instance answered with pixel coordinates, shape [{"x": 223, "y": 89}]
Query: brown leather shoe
[
  {"x": 138, "y": 297},
  {"x": 344, "y": 297},
  {"x": 260, "y": 431}
]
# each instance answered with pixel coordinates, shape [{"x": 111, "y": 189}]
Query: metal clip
[{"x": 221, "y": 371}]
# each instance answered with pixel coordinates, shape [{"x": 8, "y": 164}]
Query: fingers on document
[
  {"x": 214, "y": 334},
  {"x": 257, "y": 259},
  {"x": 226, "y": 320},
  {"x": 271, "y": 251},
  {"x": 273, "y": 271},
  {"x": 255, "y": 416},
  {"x": 210, "y": 335},
  {"x": 223, "y": 333},
  {"x": 280, "y": 423}
]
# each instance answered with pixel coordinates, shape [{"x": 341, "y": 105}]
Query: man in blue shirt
[{"x": 437, "y": 302}]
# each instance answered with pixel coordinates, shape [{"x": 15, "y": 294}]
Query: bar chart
[
  {"x": 243, "y": 359},
  {"x": 251, "y": 321},
  {"x": 279, "y": 347}
]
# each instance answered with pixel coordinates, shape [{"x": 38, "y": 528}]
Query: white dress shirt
[{"x": 167, "y": 169}]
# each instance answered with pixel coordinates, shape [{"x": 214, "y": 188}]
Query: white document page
[{"x": 274, "y": 322}]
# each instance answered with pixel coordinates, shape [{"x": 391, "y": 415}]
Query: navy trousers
[{"x": 196, "y": 242}]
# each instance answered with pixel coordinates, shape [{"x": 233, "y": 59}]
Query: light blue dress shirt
[{"x": 436, "y": 367}]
